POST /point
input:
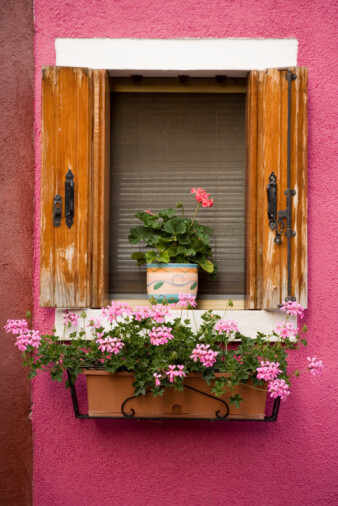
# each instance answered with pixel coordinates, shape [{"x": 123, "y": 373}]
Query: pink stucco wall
[{"x": 124, "y": 462}]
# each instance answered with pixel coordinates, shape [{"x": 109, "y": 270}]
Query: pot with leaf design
[{"x": 175, "y": 246}]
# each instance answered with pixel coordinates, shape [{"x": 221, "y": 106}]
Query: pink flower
[
  {"x": 279, "y": 388},
  {"x": 149, "y": 212},
  {"x": 202, "y": 197},
  {"x": 293, "y": 308},
  {"x": 315, "y": 366},
  {"x": 159, "y": 312},
  {"x": 29, "y": 338},
  {"x": 16, "y": 326},
  {"x": 286, "y": 329},
  {"x": 109, "y": 344},
  {"x": 95, "y": 323},
  {"x": 204, "y": 354},
  {"x": 160, "y": 335},
  {"x": 175, "y": 370},
  {"x": 70, "y": 318},
  {"x": 157, "y": 379},
  {"x": 185, "y": 301},
  {"x": 268, "y": 370},
  {"x": 226, "y": 326},
  {"x": 115, "y": 310},
  {"x": 141, "y": 313}
]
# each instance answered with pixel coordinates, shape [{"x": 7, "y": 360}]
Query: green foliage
[
  {"x": 169, "y": 238},
  {"x": 238, "y": 363}
]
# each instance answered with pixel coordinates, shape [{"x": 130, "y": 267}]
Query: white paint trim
[
  {"x": 249, "y": 322},
  {"x": 201, "y": 56}
]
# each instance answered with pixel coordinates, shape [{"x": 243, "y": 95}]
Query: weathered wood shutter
[
  {"x": 74, "y": 131},
  {"x": 267, "y": 127}
]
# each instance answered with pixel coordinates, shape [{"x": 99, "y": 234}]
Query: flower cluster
[
  {"x": 175, "y": 370},
  {"x": 268, "y": 370},
  {"x": 293, "y": 308},
  {"x": 186, "y": 301},
  {"x": 204, "y": 354},
  {"x": 279, "y": 388},
  {"x": 16, "y": 326},
  {"x": 202, "y": 197},
  {"x": 115, "y": 310},
  {"x": 315, "y": 366},
  {"x": 286, "y": 329},
  {"x": 70, "y": 318},
  {"x": 160, "y": 335},
  {"x": 24, "y": 337},
  {"x": 226, "y": 326},
  {"x": 109, "y": 344},
  {"x": 159, "y": 312},
  {"x": 142, "y": 313},
  {"x": 28, "y": 338}
]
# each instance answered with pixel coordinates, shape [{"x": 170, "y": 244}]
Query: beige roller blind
[{"x": 162, "y": 145}]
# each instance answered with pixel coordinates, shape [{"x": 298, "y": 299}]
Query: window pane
[{"x": 162, "y": 145}]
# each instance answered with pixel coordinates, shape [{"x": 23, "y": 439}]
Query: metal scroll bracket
[
  {"x": 69, "y": 199},
  {"x": 281, "y": 221}
]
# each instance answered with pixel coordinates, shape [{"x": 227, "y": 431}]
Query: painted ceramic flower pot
[
  {"x": 169, "y": 280},
  {"x": 112, "y": 395}
]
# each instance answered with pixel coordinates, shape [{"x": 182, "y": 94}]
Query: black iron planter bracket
[
  {"x": 133, "y": 416},
  {"x": 281, "y": 221}
]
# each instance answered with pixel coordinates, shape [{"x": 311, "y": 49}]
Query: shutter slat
[{"x": 101, "y": 173}]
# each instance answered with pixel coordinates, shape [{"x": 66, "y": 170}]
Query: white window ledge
[{"x": 249, "y": 322}]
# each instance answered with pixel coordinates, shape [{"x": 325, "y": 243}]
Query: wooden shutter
[
  {"x": 267, "y": 126},
  {"x": 73, "y": 138}
]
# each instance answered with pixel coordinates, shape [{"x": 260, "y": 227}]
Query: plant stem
[
  {"x": 198, "y": 205},
  {"x": 182, "y": 211}
]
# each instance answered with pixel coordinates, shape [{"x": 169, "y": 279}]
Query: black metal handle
[
  {"x": 57, "y": 210},
  {"x": 272, "y": 200},
  {"x": 69, "y": 199}
]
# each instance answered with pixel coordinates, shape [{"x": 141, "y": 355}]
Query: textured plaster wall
[
  {"x": 16, "y": 230},
  {"x": 123, "y": 462}
]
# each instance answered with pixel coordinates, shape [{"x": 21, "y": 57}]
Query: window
[
  {"x": 76, "y": 136},
  {"x": 164, "y": 143}
]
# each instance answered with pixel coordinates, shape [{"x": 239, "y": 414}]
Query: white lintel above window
[{"x": 166, "y": 57}]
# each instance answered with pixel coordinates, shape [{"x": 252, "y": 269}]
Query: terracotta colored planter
[
  {"x": 107, "y": 392},
  {"x": 168, "y": 280}
]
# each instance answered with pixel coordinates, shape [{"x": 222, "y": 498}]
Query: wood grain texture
[
  {"x": 65, "y": 275},
  {"x": 101, "y": 173},
  {"x": 266, "y": 261}
]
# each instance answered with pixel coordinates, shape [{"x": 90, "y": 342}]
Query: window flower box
[{"x": 112, "y": 395}]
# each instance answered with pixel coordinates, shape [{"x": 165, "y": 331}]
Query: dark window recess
[{"x": 162, "y": 145}]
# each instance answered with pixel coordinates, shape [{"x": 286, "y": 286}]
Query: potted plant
[
  {"x": 177, "y": 246},
  {"x": 146, "y": 361}
]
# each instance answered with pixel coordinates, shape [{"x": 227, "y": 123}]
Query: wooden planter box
[{"x": 107, "y": 392}]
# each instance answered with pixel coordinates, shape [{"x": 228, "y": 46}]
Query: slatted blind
[{"x": 162, "y": 145}]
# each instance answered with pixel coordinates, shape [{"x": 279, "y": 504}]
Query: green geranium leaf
[
  {"x": 167, "y": 213},
  {"x": 236, "y": 400},
  {"x": 137, "y": 234},
  {"x": 139, "y": 257},
  {"x": 206, "y": 265}
]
